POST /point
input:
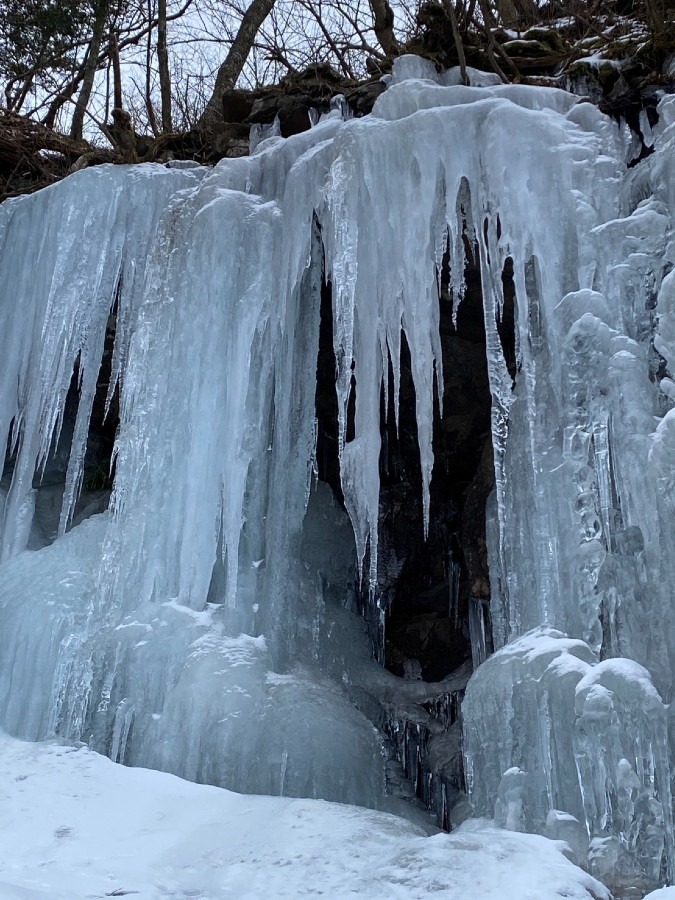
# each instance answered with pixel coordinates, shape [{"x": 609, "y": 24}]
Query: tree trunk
[
  {"x": 163, "y": 64},
  {"x": 149, "y": 105},
  {"x": 521, "y": 13},
  {"x": 458, "y": 40},
  {"x": 117, "y": 71},
  {"x": 59, "y": 102},
  {"x": 89, "y": 70},
  {"x": 383, "y": 25},
  {"x": 493, "y": 48},
  {"x": 231, "y": 69},
  {"x": 659, "y": 12}
]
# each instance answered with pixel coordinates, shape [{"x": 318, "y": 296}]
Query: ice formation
[{"x": 205, "y": 623}]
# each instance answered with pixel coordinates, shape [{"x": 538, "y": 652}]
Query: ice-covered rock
[
  {"x": 666, "y": 893},
  {"x": 558, "y": 741},
  {"x": 621, "y": 752},
  {"x": 518, "y": 720}
]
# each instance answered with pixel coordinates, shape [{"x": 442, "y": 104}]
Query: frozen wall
[
  {"x": 158, "y": 630},
  {"x": 582, "y": 541}
]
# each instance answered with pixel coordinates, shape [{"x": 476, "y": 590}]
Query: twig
[{"x": 458, "y": 40}]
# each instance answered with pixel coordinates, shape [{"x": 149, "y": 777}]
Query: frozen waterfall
[{"x": 205, "y": 621}]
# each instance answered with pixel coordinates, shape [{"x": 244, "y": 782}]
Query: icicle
[
  {"x": 602, "y": 460},
  {"x": 478, "y": 631},
  {"x": 68, "y": 291},
  {"x": 124, "y": 717},
  {"x": 455, "y": 572},
  {"x": 500, "y": 386}
]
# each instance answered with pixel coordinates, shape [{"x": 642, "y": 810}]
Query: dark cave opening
[
  {"x": 98, "y": 464},
  {"x": 326, "y": 403},
  {"x": 434, "y": 592},
  {"x": 427, "y": 629}
]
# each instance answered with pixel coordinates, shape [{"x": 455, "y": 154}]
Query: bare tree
[
  {"x": 163, "y": 66},
  {"x": 159, "y": 64},
  {"x": 89, "y": 68},
  {"x": 231, "y": 69}
]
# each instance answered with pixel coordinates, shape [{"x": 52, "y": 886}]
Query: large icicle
[{"x": 67, "y": 286}]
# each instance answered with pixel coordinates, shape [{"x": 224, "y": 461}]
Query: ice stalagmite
[{"x": 205, "y": 623}]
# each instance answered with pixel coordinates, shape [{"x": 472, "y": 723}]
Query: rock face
[
  {"x": 297, "y": 98},
  {"x": 429, "y": 584},
  {"x": 427, "y": 587}
]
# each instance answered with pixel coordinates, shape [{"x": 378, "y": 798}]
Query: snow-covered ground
[{"x": 74, "y": 825}]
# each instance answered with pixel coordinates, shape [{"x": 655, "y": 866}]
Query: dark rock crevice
[
  {"x": 98, "y": 465},
  {"x": 428, "y": 613},
  {"x": 428, "y": 590}
]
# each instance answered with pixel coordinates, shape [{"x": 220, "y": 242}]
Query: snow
[
  {"x": 75, "y": 826},
  {"x": 597, "y": 59}
]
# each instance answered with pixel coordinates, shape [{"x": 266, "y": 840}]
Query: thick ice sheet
[
  {"x": 168, "y": 687},
  {"x": 59, "y": 285}
]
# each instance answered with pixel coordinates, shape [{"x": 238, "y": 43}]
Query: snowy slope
[{"x": 74, "y": 825}]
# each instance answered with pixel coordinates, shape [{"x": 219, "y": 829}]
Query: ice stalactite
[{"x": 57, "y": 294}]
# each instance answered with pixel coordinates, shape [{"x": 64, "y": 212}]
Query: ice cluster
[{"x": 204, "y": 623}]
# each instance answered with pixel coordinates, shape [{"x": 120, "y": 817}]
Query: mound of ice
[{"x": 558, "y": 743}]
